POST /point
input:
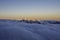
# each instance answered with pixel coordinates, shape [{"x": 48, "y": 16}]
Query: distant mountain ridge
[{"x": 32, "y": 21}]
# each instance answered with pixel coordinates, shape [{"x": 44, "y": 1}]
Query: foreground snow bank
[{"x": 14, "y": 30}]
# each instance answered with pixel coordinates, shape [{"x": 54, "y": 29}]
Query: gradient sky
[{"x": 30, "y": 9}]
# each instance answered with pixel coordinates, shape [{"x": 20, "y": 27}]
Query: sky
[{"x": 30, "y": 9}]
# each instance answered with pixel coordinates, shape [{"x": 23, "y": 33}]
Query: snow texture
[{"x": 17, "y": 30}]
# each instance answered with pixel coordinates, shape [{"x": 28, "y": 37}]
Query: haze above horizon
[{"x": 30, "y": 9}]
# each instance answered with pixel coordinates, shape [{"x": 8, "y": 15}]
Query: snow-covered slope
[
  {"x": 49, "y": 22},
  {"x": 15, "y": 30}
]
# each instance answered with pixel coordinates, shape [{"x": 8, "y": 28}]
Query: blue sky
[{"x": 39, "y": 9}]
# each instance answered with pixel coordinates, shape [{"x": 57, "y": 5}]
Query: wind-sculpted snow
[{"x": 16, "y": 30}]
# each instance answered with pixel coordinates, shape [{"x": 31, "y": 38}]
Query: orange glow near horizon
[
  {"x": 32, "y": 17},
  {"x": 30, "y": 9}
]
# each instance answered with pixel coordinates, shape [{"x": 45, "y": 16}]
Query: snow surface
[{"x": 15, "y": 30}]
